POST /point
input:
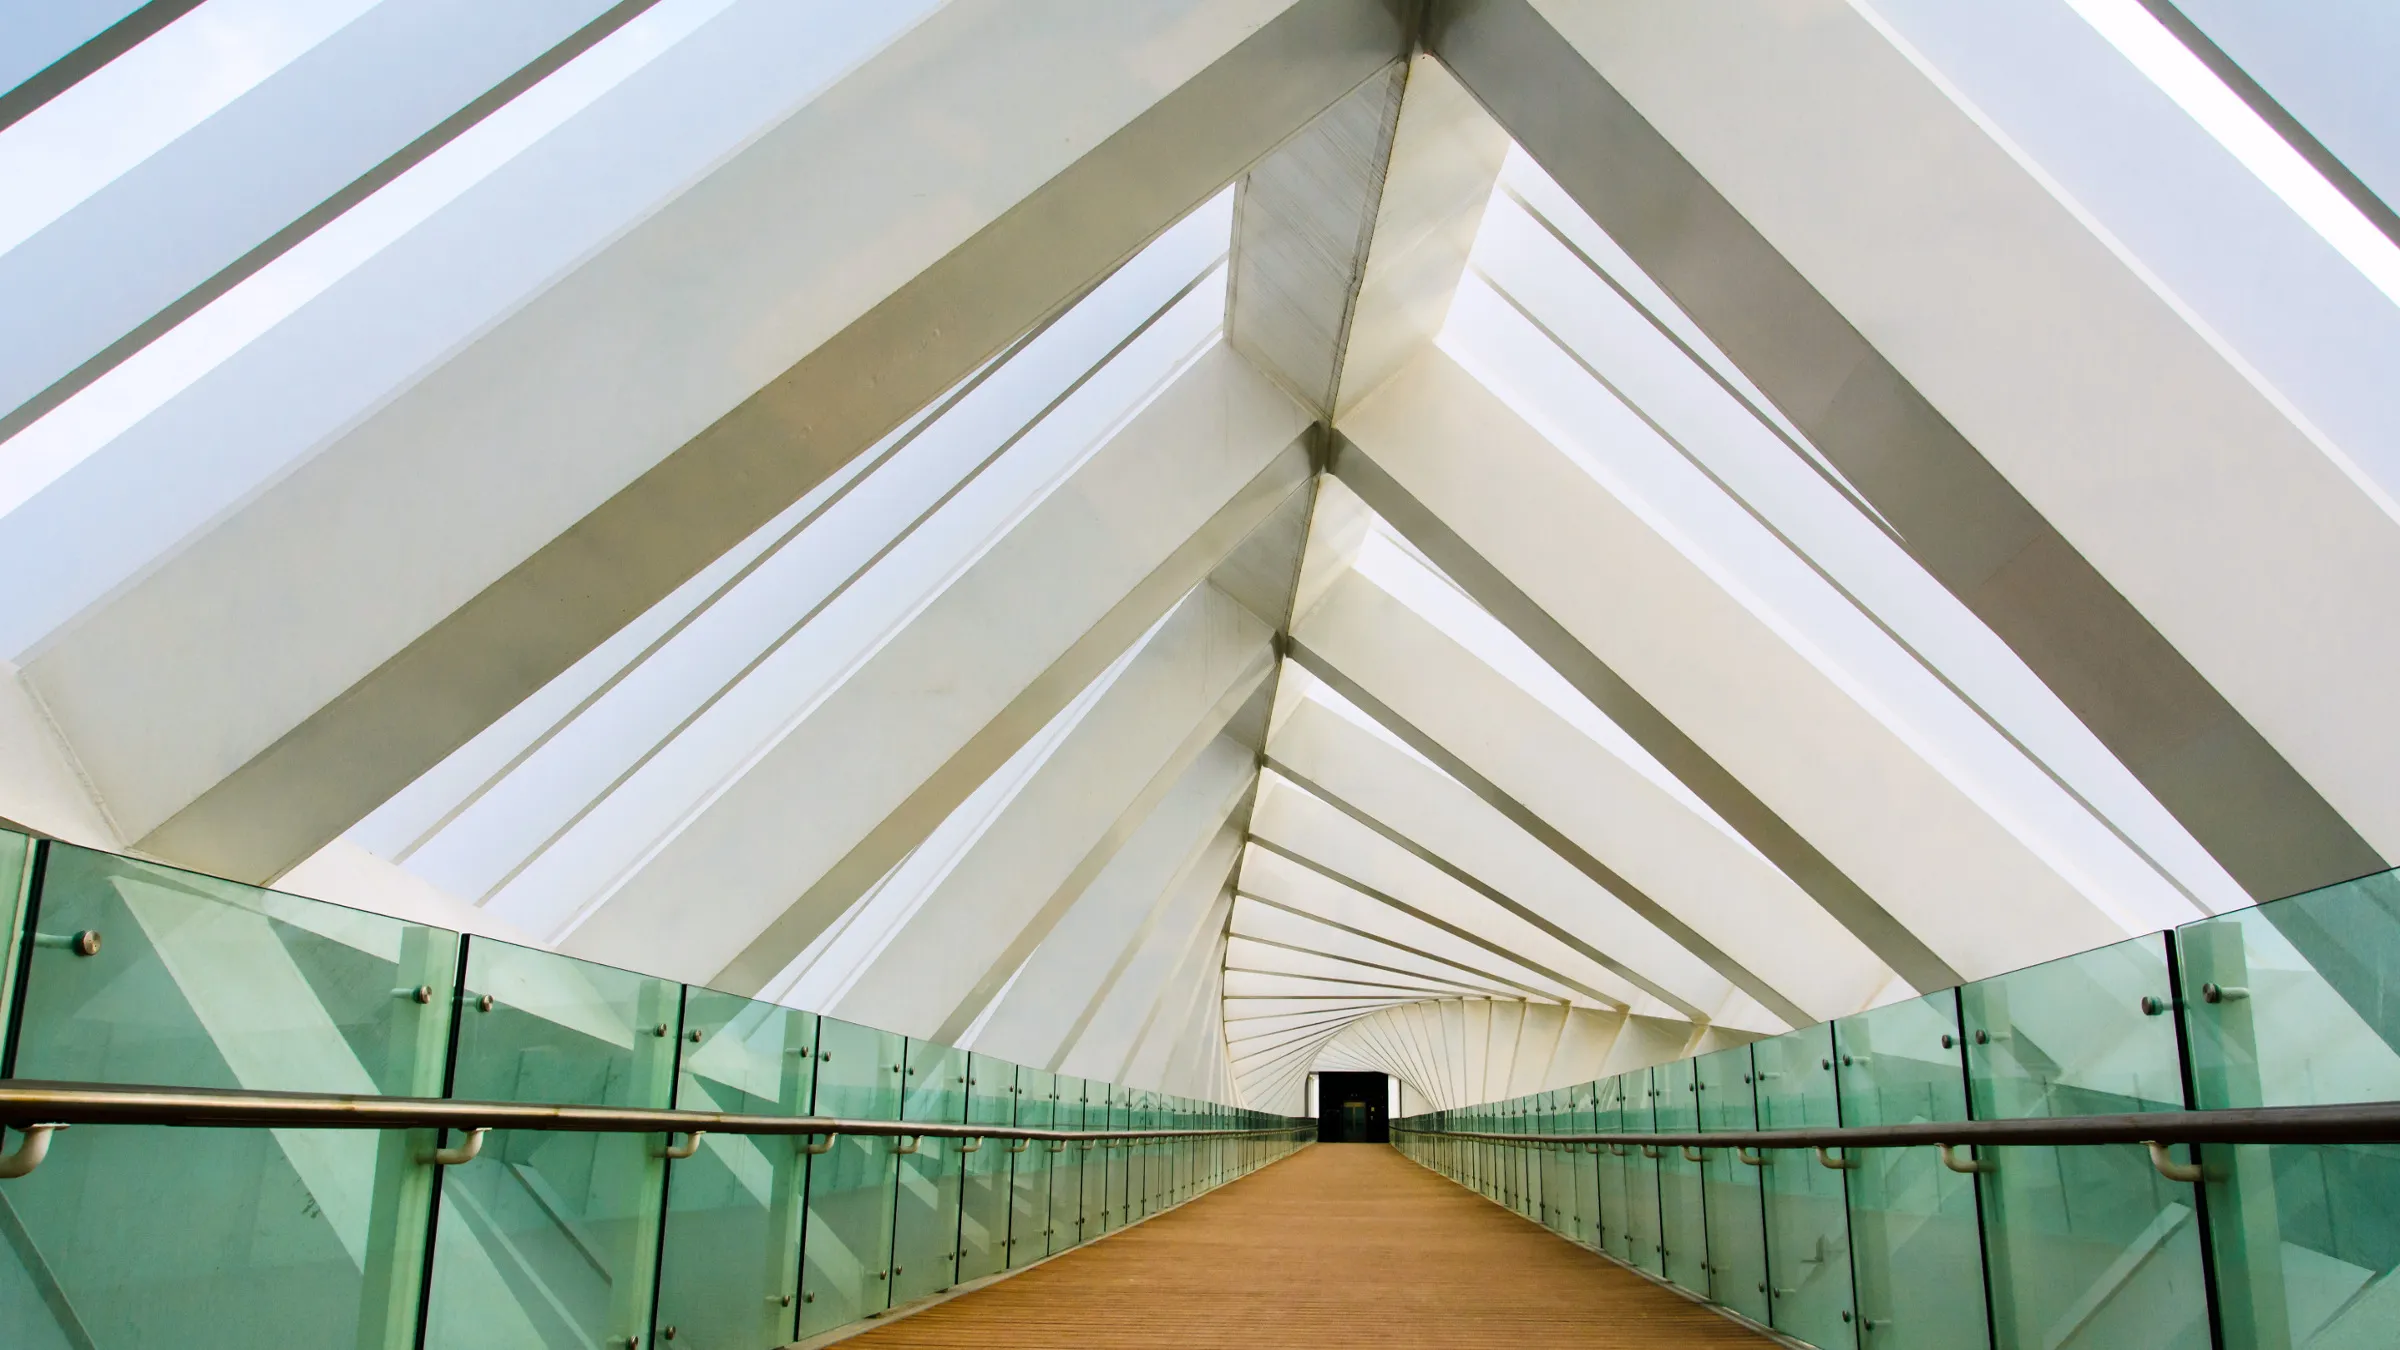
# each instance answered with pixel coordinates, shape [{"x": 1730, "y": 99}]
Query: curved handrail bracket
[
  {"x": 28, "y": 1153},
  {"x": 1842, "y": 1164},
  {"x": 677, "y": 1153},
  {"x": 460, "y": 1153},
  {"x": 2172, "y": 1170},
  {"x": 826, "y": 1147},
  {"x": 1971, "y": 1167}
]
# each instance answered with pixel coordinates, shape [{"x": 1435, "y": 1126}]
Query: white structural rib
[
  {"x": 1728, "y": 677},
  {"x": 462, "y": 467},
  {"x": 818, "y": 816},
  {"x": 1006, "y": 894}
]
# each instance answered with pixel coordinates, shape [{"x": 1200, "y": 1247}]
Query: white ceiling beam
[
  {"x": 1980, "y": 896},
  {"x": 886, "y": 756},
  {"x": 2079, "y": 464},
  {"x": 576, "y": 454},
  {"x": 1035, "y": 858}
]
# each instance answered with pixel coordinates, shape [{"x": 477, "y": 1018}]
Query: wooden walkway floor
[{"x": 1339, "y": 1244}]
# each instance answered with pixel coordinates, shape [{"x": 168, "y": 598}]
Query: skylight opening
[
  {"x": 119, "y": 115},
  {"x": 1701, "y": 466},
  {"x": 2183, "y": 77},
  {"x": 736, "y": 666},
  {"x": 1415, "y": 584},
  {"x": 155, "y": 496}
]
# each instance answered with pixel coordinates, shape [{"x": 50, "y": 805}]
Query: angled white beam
[
  {"x": 1109, "y": 1038},
  {"x": 1515, "y": 956},
  {"x": 1624, "y": 705},
  {"x": 887, "y": 756},
  {"x": 1300, "y": 237},
  {"x": 1001, "y": 898},
  {"x": 1257, "y": 916},
  {"x": 1271, "y": 952},
  {"x": 1190, "y": 834},
  {"x": 632, "y": 421},
  {"x": 1341, "y": 626},
  {"x": 2119, "y": 502},
  {"x": 1671, "y": 859},
  {"x": 1196, "y": 974},
  {"x": 1974, "y": 892},
  {"x": 1446, "y": 154}
]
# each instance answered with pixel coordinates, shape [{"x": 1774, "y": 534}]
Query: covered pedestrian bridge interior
[{"x": 978, "y": 672}]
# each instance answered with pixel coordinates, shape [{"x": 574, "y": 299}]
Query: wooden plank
[{"x": 1340, "y": 1243}]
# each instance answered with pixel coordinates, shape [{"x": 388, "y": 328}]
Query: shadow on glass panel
[
  {"x": 138, "y": 1236},
  {"x": 550, "y": 1239},
  {"x": 729, "y": 1273},
  {"x": 2297, "y": 1003},
  {"x": 846, "y": 1252},
  {"x": 1808, "y": 1228},
  {"x": 1913, "y": 1223},
  {"x": 2089, "y": 1248}
]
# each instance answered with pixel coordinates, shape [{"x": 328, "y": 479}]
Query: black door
[{"x": 1351, "y": 1108}]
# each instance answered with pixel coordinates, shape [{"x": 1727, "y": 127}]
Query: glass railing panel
[
  {"x": 2297, "y": 1003},
  {"x": 16, "y": 882},
  {"x": 1584, "y": 1166},
  {"x": 2087, "y": 1247},
  {"x": 1913, "y": 1227},
  {"x": 1115, "y": 1162},
  {"x": 550, "y": 1238},
  {"x": 1553, "y": 1200},
  {"x": 845, "y": 1252},
  {"x": 1808, "y": 1231},
  {"x": 1065, "y": 1228},
  {"x": 1641, "y": 1173},
  {"x": 1616, "y": 1205},
  {"x": 1737, "y": 1235},
  {"x": 133, "y": 1236},
  {"x": 1142, "y": 1183},
  {"x": 729, "y": 1273},
  {"x": 1029, "y": 1202},
  {"x": 1683, "y": 1218},
  {"x": 984, "y": 1183},
  {"x": 925, "y": 1218}
]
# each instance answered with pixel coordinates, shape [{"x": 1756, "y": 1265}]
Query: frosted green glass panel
[
  {"x": 132, "y": 1236},
  {"x": 1616, "y": 1204},
  {"x": 2089, "y": 1248},
  {"x": 845, "y": 1253},
  {"x": 983, "y": 1188},
  {"x": 1094, "y": 1163},
  {"x": 1584, "y": 1178},
  {"x": 729, "y": 1276},
  {"x": 1120, "y": 1162},
  {"x": 1642, "y": 1238},
  {"x": 1142, "y": 1166},
  {"x": 1808, "y": 1230},
  {"x": 1737, "y": 1235},
  {"x": 1556, "y": 1198},
  {"x": 1913, "y": 1227},
  {"x": 1029, "y": 1202},
  {"x": 1066, "y": 1165},
  {"x": 2297, "y": 1003},
  {"x": 925, "y": 1206},
  {"x": 16, "y": 880},
  {"x": 1683, "y": 1218},
  {"x": 551, "y": 1238}
]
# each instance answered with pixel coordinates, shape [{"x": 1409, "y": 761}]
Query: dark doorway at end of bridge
[{"x": 1352, "y": 1108}]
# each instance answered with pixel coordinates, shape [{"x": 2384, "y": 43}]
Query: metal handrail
[
  {"x": 2346, "y": 1123},
  {"x": 31, "y": 1104}
]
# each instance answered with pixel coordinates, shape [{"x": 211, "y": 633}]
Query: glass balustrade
[
  {"x": 2295, "y": 1002},
  {"x": 127, "y": 972}
]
